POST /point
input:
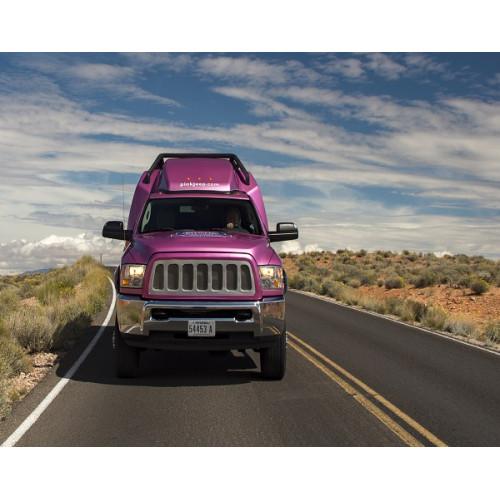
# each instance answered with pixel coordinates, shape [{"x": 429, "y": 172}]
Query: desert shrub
[
  {"x": 305, "y": 283},
  {"x": 426, "y": 278},
  {"x": 461, "y": 326},
  {"x": 412, "y": 257},
  {"x": 52, "y": 291},
  {"x": 486, "y": 276},
  {"x": 93, "y": 290},
  {"x": 68, "y": 299},
  {"x": 394, "y": 282},
  {"x": 412, "y": 311},
  {"x": 349, "y": 296},
  {"x": 331, "y": 288},
  {"x": 373, "y": 304},
  {"x": 31, "y": 327},
  {"x": 29, "y": 287},
  {"x": 9, "y": 300},
  {"x": 347, "y": 273},
  {"x": 452, "y": 276},
  {"x": 479, "y": 286},
  {"x": 492, "y": 332},
  {"x": 354, "y": 283},
  {"x": 394, "y": 306},
  {"x": 367, "y": 278},
  {"x": 293, "y": 281},
  {"x": 384, "y": 253},
  {"x": 13, "y": 359},
  {"x": 435, "y": 317}
]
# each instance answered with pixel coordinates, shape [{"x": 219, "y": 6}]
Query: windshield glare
[{"x": 200, "y": 215}]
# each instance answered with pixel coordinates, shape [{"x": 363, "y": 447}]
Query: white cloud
[
  {"x": 348, "y": 67},
  {"x": 100, "y": 72},
  {"x": 18, "y": 256},
  {"x": 296, "y": 247},
  {"x": 244, "y": 68},
  {"x": 256, "y": 71},
  {"x": 383, "y": 65},
  {"x": 425, "y": 64},
  {"x": 442, "y": 254},
  {"x": 86, "y": 78}
]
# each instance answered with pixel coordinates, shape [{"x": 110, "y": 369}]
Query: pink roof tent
[
  {"x": 203, "y": 174},
  {"x": 219, "y": 173}
]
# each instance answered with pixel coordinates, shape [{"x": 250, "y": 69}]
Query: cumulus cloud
[
  {"x": 18, "y": 256},
  {"x": 295, "y": 247}
]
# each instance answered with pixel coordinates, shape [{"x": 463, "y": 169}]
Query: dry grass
[{"x": 44, "y": 313}]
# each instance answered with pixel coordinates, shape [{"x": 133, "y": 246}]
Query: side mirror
[
  {"x": 284, "y": 231},
  {"x": 114, "y": 229}
]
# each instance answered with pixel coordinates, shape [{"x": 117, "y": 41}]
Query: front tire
[
  {"x": 273, "y": 359},
  {"x": 126, "y": 357}
]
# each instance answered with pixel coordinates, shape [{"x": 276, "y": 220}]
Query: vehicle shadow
[{"x": 159, "y": 368}]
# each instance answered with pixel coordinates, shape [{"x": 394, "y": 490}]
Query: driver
[{"x": 233, "y": 221}]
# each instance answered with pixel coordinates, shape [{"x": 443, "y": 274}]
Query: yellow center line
[{"x": 383, "y": 417}]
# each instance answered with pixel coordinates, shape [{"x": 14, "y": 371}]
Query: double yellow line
[{"x": 339, "y": 376}]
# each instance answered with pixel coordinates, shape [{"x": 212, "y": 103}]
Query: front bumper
[{"x": 162, "y": 324}]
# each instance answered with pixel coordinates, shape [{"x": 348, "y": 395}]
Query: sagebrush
[
  {"x": 340, "y": 274},
  {"x": 46, "y": 312}
]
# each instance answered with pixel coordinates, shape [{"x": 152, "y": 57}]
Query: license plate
[{"x": 201, "y": 328}]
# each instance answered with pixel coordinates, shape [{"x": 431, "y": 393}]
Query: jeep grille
[{"x": 207, "y": 277}]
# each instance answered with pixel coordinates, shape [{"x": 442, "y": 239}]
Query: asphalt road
[{"x": 353, "y": 379}]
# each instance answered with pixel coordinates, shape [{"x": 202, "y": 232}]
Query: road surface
[{"x": 353, "y": 379}]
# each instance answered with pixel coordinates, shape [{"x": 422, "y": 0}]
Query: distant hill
[{"x": 38, "y": 271}]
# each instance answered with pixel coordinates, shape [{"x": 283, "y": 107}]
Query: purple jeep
[{"x": 198, "y": 271}]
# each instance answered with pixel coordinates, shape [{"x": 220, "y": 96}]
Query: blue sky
[{"x": 365, "y": 150}]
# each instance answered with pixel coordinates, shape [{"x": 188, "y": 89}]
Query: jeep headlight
[
  {"x": 271, "y": 277},
  {"x": 132, "y": 275}
]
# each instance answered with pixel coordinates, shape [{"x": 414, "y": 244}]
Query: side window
[{"x": 146, "y": 218}]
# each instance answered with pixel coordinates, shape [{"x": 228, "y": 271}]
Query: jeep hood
[{"x": 145, "y": 246}]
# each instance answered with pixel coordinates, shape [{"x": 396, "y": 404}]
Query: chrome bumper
[{"x": 135, "y": 316}]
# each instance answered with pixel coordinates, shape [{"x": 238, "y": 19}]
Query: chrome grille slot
[
  {"x": 207, "y": 277},
  {"x": 187, "y": 277},
  {"x": 173, "y": 277},
  {"x": 158, "y": 277},
  {"x": 217, "y": 277},
  {"x": 202, "y": 277},
  {"x": 231, "y": 277}
]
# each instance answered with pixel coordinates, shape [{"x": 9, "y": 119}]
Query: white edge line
[
  {"x": 394, "y": 320},
  {"x": 35, "y": 414}
]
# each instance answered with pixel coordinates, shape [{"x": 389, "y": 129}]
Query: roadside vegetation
[
  {"x": 45, "y": 313},
  {"x": 364, "y": 280}
]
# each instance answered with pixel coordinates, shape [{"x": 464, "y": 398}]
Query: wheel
[
  {"x": 273, "y": 359},
  {"x": 126, "y": 357}
]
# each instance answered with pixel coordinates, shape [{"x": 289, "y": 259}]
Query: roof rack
[{"x": 236, "y": 162}]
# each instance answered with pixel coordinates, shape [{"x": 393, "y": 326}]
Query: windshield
[{"x": 199, "y": 214}]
